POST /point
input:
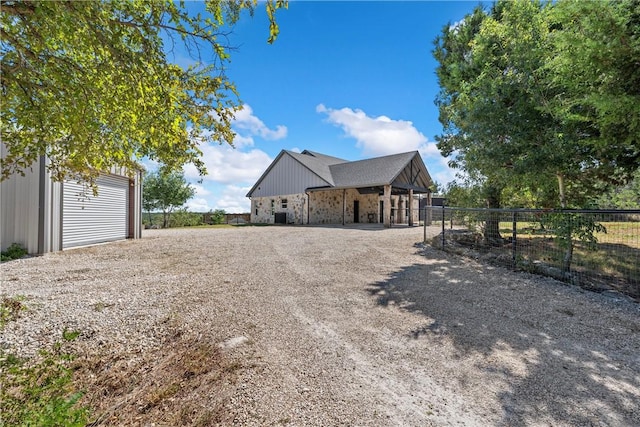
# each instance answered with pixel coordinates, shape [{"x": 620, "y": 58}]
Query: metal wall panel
[
  {"x": 19, "y": 202},
  {"x": 89, "y": 219},
  {"x": 288, "y": 176}
]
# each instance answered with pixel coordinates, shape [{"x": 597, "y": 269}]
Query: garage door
[{"x": 89, "y": 219}]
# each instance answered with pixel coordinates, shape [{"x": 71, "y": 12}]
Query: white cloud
[
  {"x": 378, "y": 136},
  {"x": 245, "y": 120},
  {"x": 198, "y": 205},
  {"x": 226, "y": 165},
  {"x": 242, "y": 141},
  {"x": 200, "y": 190},
  {"x": 234, "y": 200}
]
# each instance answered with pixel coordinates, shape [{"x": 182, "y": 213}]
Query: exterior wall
[
  {"x": 327, "y": 207},
  {"x": 31, "y": 209},
  {"x": 287, "y": 177},
  {"x": 334, "y": 206},
  {"x": 263, "y": 213},
  {"x": 19, "y": 201}
]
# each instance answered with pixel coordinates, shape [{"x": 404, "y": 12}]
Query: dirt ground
[{"x": 324, "y": 326}]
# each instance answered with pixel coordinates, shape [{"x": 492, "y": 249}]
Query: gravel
[{"x": 326, "y": 326}]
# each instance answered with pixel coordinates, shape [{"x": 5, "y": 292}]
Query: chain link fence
[{"x": 598, "y": 250}]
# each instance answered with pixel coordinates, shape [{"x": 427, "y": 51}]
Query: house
[
  {"x": 46, "y": 216},
  {"x": 313, "y": 188}
]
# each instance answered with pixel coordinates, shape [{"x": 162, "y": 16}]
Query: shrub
[
  {"x": 183, "y": 218},
  {"x": 15, "y": 251}
]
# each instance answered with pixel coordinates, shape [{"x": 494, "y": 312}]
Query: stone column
[
  {"x": 387, "y": 206},
  {"x": 344, "y": 205},
  {"x": 410, "y": 207}
]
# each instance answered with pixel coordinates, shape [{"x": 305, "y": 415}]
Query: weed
[
  {"x": 40, "y": 392},
  {"x": 100, "y": 306},
  {"x": 162, "y": 393},
  {"x": 10, "y": 309},
  {"x": 15, "y": 251}
]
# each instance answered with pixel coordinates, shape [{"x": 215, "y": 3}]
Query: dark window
[{"x": 283, "y": 203}]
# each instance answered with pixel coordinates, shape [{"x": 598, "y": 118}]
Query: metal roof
[{"x": 403, "y": 171}]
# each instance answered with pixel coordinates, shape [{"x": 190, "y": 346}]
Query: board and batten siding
[
  {"x": 287, "y": 176},
  {"x": 89, "y": 219}
]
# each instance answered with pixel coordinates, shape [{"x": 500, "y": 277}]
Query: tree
[
  {"x": 595, "y": 66},
  {"x": 165, "y": 191},
  {"x": 218, "y": 216},
  {"x": 509, "y": 116},
  {"x": 623, "y": 197},
  {"x": 91, "y": 85},
  {"x": 535, "y": 92}
]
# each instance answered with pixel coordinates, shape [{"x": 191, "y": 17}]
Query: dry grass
[{"x": 186, "y": 382}]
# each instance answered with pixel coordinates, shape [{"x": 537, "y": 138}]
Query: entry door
[{"x": 356, "y": 211}]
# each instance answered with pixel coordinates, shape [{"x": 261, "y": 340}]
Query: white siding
[
  {"x": 89, "y": 219},
  {"x": 287, "y": 176}
]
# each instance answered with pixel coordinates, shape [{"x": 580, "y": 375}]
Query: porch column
[
  {"x": 387, "y": 206},
  {"x": 344, "y": 205},
  {"x": 410, "y": 207},
  {"x": 400, "y": 214}
]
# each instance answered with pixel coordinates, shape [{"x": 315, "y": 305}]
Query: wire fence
[{"x": 598, "y": 250}]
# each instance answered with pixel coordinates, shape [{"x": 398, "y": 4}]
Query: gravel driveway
[{"x": 325, "y": 326}]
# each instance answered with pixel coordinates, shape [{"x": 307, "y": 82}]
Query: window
[
  {"x": 273, "y": 206},
  {"x": 283, "y": 203}
]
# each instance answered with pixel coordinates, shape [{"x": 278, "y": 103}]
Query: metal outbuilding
[{"x": 47, "y": 216}]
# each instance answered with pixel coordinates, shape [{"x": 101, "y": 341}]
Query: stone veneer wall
[
  {"x": 326, "y": 207},
  {"x": 262, "y": 213}
]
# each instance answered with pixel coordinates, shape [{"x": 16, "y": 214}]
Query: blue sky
[{"x": 348, "y": 79}]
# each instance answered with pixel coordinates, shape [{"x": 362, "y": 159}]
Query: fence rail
[{"x": 596, "y": 249}]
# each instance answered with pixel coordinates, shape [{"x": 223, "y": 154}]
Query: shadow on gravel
[{"x": 562, "y": 359}]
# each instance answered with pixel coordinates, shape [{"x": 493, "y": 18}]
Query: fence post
[
  {"x": 514, "y": 250},
  {"x": 443, "y": 228}
]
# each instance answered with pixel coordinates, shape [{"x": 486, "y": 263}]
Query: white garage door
[{"x": 89, "y": 219}]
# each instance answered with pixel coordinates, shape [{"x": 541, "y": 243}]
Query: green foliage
[
  {"x": 218, "y": 216},
  {"x": 517, "y": 113},
  {"x": 40, "y": 392},
  {"x": 464, "y": 195},
  {"x": 622, "y": 197},
  {"x": 594, "y": 66},
  {"x": 93, "y": 85},
  {"x": 165, "y": 191},
  {"x": 15, "y": 251},
  {"x": 184, "y": 218},
  {"x": 567, "y": 227}
]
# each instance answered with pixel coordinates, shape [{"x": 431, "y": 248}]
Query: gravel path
[{"x": 327, "y": 326}]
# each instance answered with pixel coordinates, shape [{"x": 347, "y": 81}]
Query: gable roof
[
  {"x": 370, "y": 172},
  {"x": 317, "y": 163},
  {"x": 404, "y": 170}
]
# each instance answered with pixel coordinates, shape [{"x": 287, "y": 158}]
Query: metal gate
[{"x": 89, "y": 219}]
